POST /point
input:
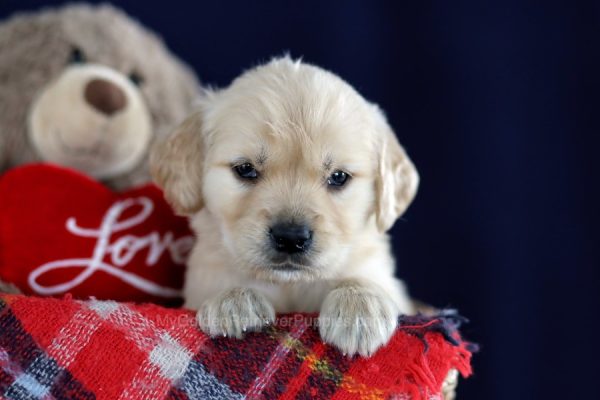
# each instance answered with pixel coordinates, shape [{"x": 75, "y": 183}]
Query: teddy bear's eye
[
  {"x": 136, "y": 78},
  {"x": 76, "y": 56}
]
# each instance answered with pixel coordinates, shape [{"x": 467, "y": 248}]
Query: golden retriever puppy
[{"x": 291, "y": 180}]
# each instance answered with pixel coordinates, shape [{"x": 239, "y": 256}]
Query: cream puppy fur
[{"x": 291, "y": 179}]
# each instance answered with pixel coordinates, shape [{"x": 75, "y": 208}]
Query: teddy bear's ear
[
  {"x": 397, "y": 179},
  {"x": 176, "y": 164}
]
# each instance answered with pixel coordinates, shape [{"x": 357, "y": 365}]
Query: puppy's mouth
[
  {"x": 290, "y": 262},
  {"x": 287, "y": 272},
  {"x": 289, "y": 266},
  {"x": 286, "y": 268}
]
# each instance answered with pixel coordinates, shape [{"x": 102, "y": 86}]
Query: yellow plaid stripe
[{"x": 324, "y": 368}]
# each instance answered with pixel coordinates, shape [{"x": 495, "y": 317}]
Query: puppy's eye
[
  {"x": 338, "y": 179},
  {"x": 246, "y": 171},
  {"x": 76, "y": 56}
]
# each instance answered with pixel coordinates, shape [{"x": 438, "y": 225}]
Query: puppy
[{"x": 291, "y": 180}]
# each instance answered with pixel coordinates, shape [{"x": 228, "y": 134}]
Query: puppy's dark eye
[
  {"x": 76, "y": 56},
  {"x": 338, "y": 179},
  {"x": 136, "y": 78},
  {"x": 246, "y": 171}
]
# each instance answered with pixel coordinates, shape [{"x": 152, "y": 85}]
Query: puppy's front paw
[
  {"x": 357, "y": 319},
  {"x": 235, "y": 312}
]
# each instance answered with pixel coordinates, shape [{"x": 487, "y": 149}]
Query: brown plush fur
[{"x": 35, "y": 50}]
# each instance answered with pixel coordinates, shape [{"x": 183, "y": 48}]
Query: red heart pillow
[{"x": 62, "y": 232}]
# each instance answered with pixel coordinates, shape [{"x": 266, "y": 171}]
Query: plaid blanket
[{"x": 67, "y": 349}]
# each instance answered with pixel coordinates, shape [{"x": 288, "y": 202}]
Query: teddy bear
[{"x": 88, "y": 88}]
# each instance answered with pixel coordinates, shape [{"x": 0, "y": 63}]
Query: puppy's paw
[
  {"x": 357, "y": 319},
  {"x": 234, "y": 312}
]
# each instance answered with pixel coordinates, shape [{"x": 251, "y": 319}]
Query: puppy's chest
[{"x": 294, "y": 297}]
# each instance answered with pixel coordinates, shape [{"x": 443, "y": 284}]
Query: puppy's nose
[
  {"x": 105, "y": 96},
  {"x": 291, "y": 238}
]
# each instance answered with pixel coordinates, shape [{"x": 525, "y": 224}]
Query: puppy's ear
[
  {"x": 397, "y": 178},
  {"x": 176, "y": 164}
]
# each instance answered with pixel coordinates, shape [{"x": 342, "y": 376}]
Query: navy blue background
[{"x": 498, "y": 106}]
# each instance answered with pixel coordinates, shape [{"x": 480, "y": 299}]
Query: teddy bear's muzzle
[{"x": 91, "y": 118}]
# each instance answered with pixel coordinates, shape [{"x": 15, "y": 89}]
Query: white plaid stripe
[
  {"x": 74, "y": 337},
  {"x": 147, "y": 383},
  {"x": 102, "y": 308},
  {"x": 165, "y": 365},
  {"x": 277, "y": 358},
  {"x": 167, "y": 359},
  {"x": 170, "y": 357},
  {"x": 136, "y": 328}
]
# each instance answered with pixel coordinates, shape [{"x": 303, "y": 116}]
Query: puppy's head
[{"x": 295, "y": 166}]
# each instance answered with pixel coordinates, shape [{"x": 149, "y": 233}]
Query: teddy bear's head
[{"x": 89, "y": 88}]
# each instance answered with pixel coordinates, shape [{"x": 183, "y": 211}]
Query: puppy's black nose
[{"x": 290, "y": 238}]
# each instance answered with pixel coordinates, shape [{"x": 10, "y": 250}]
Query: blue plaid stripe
[
  {"x": 36, "y": 375},
  {"x": 197, "y": 383},
  {"x": 26, "y": 387}
]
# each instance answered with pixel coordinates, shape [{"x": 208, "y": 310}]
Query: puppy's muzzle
[{"x": 291, "y": 238}]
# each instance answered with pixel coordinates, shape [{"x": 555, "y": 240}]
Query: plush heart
[{"x": 62, "y": 232}]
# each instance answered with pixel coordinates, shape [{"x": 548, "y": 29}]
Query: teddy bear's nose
[{"x": 105, "y": 96}]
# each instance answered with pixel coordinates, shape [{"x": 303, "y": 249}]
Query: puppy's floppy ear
[
  {"x": 176, "y": 165},
  {"x": 397, "y": 178}
]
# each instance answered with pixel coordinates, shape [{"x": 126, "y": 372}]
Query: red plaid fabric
[{"x": 67, "y": 349}]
